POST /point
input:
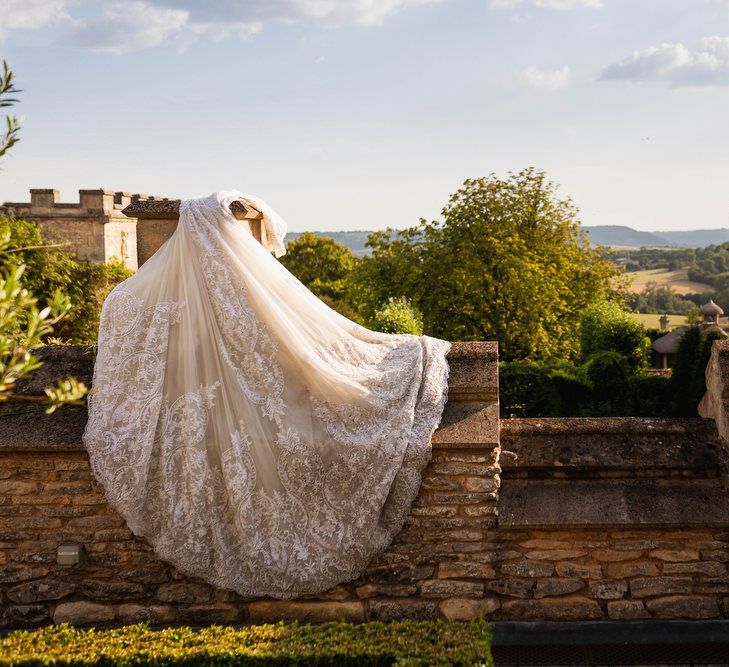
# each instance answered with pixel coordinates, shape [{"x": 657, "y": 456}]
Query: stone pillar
[
  {"x": 715, "y": 403},
  {"x": 157, "y": 220}
]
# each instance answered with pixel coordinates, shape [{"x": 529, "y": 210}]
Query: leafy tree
[
  {"x": 684, "y": 369},
  {"x": 508, "y": 262},
  {"x": 606, "y": 327},
  {"x": 397, "y": 316},
  {"x": 324, "y": 266},
  {"x": 320, "y": 263}
]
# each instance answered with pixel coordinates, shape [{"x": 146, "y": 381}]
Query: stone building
[
  {"x": 666, "y": 346},
  {"x": 106, "y": 225},
  {"x": 95, "y": 226}
]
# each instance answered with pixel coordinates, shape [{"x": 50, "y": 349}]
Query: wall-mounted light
[{"x": 71, "y": 554}]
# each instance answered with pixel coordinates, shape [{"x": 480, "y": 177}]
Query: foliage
[
  {"x": 602, "y": 387},
  {"x": 684, "y": 370},
  {"x": 320, "y": 263},
  {"x": 507, "y": 263},
  {"x": 657, "y": 298},
  {"x": 22, "y": 327},
  {"x": 405, "y": 643},
  {"x": 397, "y": 316},
  {"x": 324, "y": 266},
  {"x": 51, "y": 267},
  {"x": 605, "y": 326},
  {"x": 608, "y": 373},
  {"x": 12, "y": 123}
]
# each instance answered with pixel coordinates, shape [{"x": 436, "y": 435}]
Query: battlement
[
  {"x": 46, "y": 202},
  {"x": 96, "y": 226}
]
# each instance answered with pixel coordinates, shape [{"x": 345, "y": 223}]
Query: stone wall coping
[
  {"x": 615, "y": 443},
  {"x": 589, "y": 425},
  {"x": 470, "y": 419},
  {"x": 473, "y": 369},
  {"x": 167, "y": 209}
]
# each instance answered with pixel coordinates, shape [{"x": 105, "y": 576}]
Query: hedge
[{"x": 402, "y": 643}]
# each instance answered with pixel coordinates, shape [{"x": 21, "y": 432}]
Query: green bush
[
  {"x": 649, "y": 396},
  {"x": 402, "y": 643},
  {"x": 608, "y": 374},
  {"x": 397, "y": 316},
  {"x": 525, "y": 389},
  {"x": 606, "y": 327}
]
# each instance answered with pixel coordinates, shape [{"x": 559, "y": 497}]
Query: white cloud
[
  {"x": 545, "y": 79},
  {"x": 707, "y": 65},
  {"x": 29, "y": 14},
  {"x": 365, "y": 12},
  {"x": 546, "y": 4},
  {"x": 136, "y": 25},
  {"x": 131, "y": 25}
]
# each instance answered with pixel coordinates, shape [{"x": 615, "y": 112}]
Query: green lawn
[
  {"x": 403, "y": 643},
  {"x": 651, "y": 320}
]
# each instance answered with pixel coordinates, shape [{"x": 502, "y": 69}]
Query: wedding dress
[{"x": 256, "y": 438}]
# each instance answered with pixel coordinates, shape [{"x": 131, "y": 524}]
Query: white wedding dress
[{"x": 255, "y": 437}]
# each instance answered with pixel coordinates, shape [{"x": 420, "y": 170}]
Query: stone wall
[
  {"x": 95, "y": 227},
  {"x": 531, "y": 519}
]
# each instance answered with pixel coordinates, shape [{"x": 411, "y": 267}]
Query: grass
[
  {"x": 678, "y": 280},
  {"x": 401, "y": 643},
  {"x": 652, "y": 321}
]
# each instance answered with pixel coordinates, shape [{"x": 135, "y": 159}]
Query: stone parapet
[
  {"x": 157, "y": 220},
  {"x": 436, "y": 567},
  {"x": 576, "y": 520}
]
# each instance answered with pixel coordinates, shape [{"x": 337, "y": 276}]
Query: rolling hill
[{"x": 611, "y": 235}]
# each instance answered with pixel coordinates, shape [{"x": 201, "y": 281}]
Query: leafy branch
[
  {"x": 12, "y": 123},
  {"x": 23, "y": 326}
]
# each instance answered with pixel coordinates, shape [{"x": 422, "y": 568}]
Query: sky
[{"x": 363, "y": 114}]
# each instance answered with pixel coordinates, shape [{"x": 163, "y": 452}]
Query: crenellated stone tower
[{"x": 95, "y": 227}]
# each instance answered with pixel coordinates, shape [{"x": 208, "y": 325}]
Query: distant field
[
  {"x": 651, "y": 320},
  {"x": 678, "y": 280}
]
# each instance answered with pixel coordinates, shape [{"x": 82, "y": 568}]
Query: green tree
[
  {"x": 324, "y": 266},
  {"x": 684, "y": 370},
  {"x": 508, "y": 262},
  {"x": 397, "y": 316},
  {"x": 606, "y": 327}
]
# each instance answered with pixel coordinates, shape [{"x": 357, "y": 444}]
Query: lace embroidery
[{"x": 208, "y": 441}]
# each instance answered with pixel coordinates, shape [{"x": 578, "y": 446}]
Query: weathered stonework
[
  {"x": 107, "y": 225},
  {"x": 95, "y": 228},
  {"x": 457, "y": 556}
]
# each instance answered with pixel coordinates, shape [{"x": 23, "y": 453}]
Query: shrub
[
  {"x": 573, "y": 394},
  {"x": 605, "y": 327},
  {"x": 608, "y": 374},
  {"x": 525, "y": 389},
  {"x": 398, "y": 316},
  {"x": 401, "y": 643},
  {"x": 649, "y": 396}
]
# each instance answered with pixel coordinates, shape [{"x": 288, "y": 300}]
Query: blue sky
[{"x": 361, "y": 114}]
